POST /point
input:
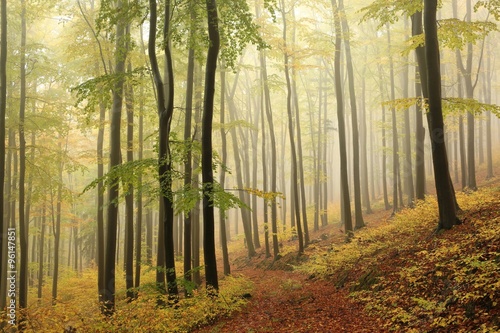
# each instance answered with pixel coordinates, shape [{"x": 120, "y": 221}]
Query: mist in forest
[{"x": 300, "y": 114}]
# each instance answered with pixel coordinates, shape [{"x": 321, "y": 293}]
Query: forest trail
[
  {"x": 284, "y": 300},
  {"x": 287, "y": 301}
]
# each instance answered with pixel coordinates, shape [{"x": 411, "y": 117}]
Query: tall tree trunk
[
  {"x": 188, "y": 171},
  {"x": 466, "y": 71},
  {"x": 358, "y": 210},
  {"x": 446, "y": 202},
  {"x": 222, "y": 176},
  {"x": 420, "y": 88},
  {"x": 294, "y": 165},
  {"x": 324, "y": 211},
  {"x": 206, "y": 148},
  {"x": 300, "y": 158},
  {"x": 40, "y": 254},
  {"x": 245, "y": 214},
  {"x": 116, "y": 111},
  {"x": 341, "y": 123},
  {"x": 3, "y": 106},
  {"x": 395, "y": 145},
  {"x": 384, "y": 154},
  {"x": 56, "y": 229},
  {"x": 139, "y": 214},
  {"x": 365, "y": 188},
  {"x": 408, "y": 168},
  {"x": 23, "y": 224},
  {"x": 165, "y": 105},
  {"x": 129, "y": 197},
  {"x": 195, "y": 214}
]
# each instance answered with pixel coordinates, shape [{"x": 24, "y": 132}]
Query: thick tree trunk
[
  {"x": 446, "y": 202},
  {"x": 206, "y": 148}
]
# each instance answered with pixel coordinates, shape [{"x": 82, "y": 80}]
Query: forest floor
[
  {"x": 284, "y": 300},
  {"x": 403, "y": 277}
]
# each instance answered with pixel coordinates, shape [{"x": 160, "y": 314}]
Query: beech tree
[
  {"x": 165, "y": 106},
  {"x": 113, "y": 191},
  {"x": 446, "y": 203},
  {"x": 206, "y": 147}
]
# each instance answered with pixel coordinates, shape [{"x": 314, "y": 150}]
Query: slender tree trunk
[
  {"x": 129, "y": 197},
  {"x": 3, "y": 106},
  {"x": 395, "y": 145},
  {"x": 110, "y": 256},
  {"x": 139, "y": 228},
  {"x": 341, "y": 123},
  {"x": 365, "y": 189},
  {"x": 407, "y": 164},
  {"x": 41, "y": 254},
  {"x": 466, "y": 71},
  {"x": 206, "y": 147},
  {"x": 300, "y": 160},
  {"x": 222, "y": 179},
  {"x": 384, "y": 154},
  {"x": 358, "y": 211},
  {"x": 23, "y": 223},
  {"x": 294, "y": 165},
  {"x": 324, "y": 211},
  {"x": 188, "y": 171},
  {"x": 56, "y": 229}
]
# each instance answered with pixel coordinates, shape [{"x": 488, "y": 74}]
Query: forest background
[{"x": 317, "y": 107}]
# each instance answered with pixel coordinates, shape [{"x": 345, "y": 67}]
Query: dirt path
[
  {"x": 288, "y": 301},
  {"x": 284, "y": 301}
]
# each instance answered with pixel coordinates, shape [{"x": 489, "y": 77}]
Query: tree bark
[
  {"x": 222, "y": 176},
  {"x": 358, "y": 210},
  {"x": 206, "y": 147},
  {"x": 23, "y": 223},
  {"x": 446, "y": 204},
  {"x": 294, "y": 166},
  {"x": 341, "y": 123},
  {"x": 113, "y": 191}
]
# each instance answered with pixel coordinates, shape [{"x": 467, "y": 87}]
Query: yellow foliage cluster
[
  {"x": 78, "y": 307},
  {"x": 422, "y": 281}
]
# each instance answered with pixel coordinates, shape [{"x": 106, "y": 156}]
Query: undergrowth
[
  {"x": 80, "y": 311},
  {"x": 420, "y": 281}
]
